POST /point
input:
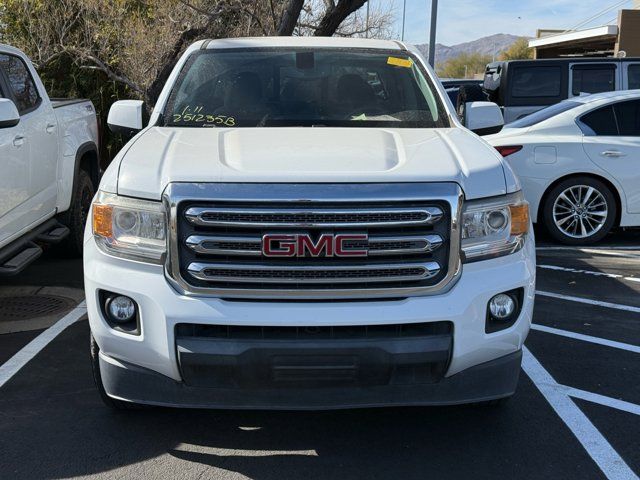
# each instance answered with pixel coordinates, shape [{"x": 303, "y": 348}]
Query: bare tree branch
[
  {"x": 100, "y": 65},
  {"x": 336, "y": 15}
]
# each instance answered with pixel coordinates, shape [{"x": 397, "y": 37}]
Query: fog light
[
  {"x": 121, "y": 309},
  {"x": 502, "y": 306}
]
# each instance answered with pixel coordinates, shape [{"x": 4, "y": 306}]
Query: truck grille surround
[{"x": 403, "y": 239}]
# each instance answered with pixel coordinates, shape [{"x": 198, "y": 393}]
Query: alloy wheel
[{"x": 580, "y": 211}]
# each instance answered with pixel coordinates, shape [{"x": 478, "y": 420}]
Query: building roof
[{"x": 567, "y": 37}]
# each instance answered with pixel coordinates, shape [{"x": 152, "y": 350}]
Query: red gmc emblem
[{"x": 303, "y": 245}]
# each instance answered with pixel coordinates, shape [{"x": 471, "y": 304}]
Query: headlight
[
  {"x": 495, "y": 227},
  {"x": 130, "y": 228}
]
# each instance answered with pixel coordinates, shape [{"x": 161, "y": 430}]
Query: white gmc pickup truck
[
  {"x": 305, "y": 224},
  {"x": 49, "y": 165}
]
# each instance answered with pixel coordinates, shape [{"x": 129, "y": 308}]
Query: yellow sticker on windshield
[{"x": 400, "y": 62}]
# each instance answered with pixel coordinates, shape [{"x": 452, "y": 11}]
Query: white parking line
[
  {"x": 601, "y": 399},
  {"x": 598, "y": 448},
  {"x": 586, "y": 338},
  {"x": 588, "y": 301},
  {"x": 598, "y": 252},
  {"x": 595, "y": 273},
  {"x": 20, "y": 359},
  {"x": 591, "y": 249}
]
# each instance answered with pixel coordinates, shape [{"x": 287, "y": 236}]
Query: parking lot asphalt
[{"x": 576, "y": 413}]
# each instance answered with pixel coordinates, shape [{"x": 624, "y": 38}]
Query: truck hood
[{"x": 161, "y": 155}]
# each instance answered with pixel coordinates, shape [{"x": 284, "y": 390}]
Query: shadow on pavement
[{"x": 53, "y": 425}]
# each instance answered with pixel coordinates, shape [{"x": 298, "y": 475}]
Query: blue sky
[{"x": 464, "y": 20}]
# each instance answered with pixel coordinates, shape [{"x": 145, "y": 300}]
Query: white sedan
[{"x": 579, "y": 164}]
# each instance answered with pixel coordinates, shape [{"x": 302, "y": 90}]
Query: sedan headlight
[
  {"x": 130, "y": 228},
  {"x": 493, "y": 228}
]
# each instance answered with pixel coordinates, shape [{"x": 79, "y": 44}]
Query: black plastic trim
[
  {"x": 25, "y": 242},
  {"x": 87, "y": 147},
  {"x": 488, "y": 381}
]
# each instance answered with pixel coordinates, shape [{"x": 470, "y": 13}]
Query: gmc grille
[{"x": 216, "y": 239}]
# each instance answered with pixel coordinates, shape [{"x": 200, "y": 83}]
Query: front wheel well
[
  {"x": 612, "y": 187},
  {"x": 89, "y": 162}
]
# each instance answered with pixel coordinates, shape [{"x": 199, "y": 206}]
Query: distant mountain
[{"x": 493, "y": 44}]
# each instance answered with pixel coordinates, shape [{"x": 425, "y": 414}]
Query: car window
[
  {"x": 633, "y": 73},
  {"x": 537, "y": 81},
  {"x": 628, "y": 117},
  {"x": 544, "y": 114},
  {"x": 20, "y": 82},
  {"x": 590, "y": 79},
  {"x": 264, "y": 87},
  {"x": 599, "y": 122}
]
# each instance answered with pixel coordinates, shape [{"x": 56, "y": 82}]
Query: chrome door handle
[
  {"x": 18, "y": 140},
  {"x": 613, "y": 153},
  {"x": 50, "y": 127}
]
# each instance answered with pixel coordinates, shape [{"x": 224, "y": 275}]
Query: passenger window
[
  {"x": 20, "y": 82},
  {"x": 633, "y": 73},
  {"x": 593, "y": 79},
  {"x": 599, "y": 122},
  {"x": 537, "y": 82},
  {"x": 628, "y": 116}
]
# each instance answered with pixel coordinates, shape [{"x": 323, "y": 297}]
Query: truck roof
[
  {"x": 9, "y": 49},
  {"x": 320, "y": 42},
  {"x": 541, "y": 61}
]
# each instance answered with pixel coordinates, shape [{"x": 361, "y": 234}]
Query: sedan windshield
[
  {"x": 303, "y": 87},
  {"x": 544, "y": 114}
]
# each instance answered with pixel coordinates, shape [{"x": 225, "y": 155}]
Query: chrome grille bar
[
  {"x": 221, "y": 272},
  {"x": 313, "y": 217},
  {"x": 225, "y": 245},
  {"x": 252, "y": 246},
  {"x": 404, "y": 245}
]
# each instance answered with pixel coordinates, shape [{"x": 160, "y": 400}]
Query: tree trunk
[
  {"x": 290, "y": 17},
  {"x": 336, "y": 15}
]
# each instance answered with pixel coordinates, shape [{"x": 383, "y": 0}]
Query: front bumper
[
  {"x": 147, "y": 368},
  {"x": 488, "y": 381}
]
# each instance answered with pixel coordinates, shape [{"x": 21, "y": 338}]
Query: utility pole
[
  {"x": 404, "y": 16},
  {"x": 367, "y": 22},
  {"x": 432, "y": 32}
]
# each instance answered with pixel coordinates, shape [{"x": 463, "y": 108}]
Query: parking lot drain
[{"x": 24, "y": 307}]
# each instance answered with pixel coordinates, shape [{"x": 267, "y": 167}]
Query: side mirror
[
  {"x": 126, "y": 117},
  {"x": 9, "y": 115},
  {"x": 483, "y": 118}
]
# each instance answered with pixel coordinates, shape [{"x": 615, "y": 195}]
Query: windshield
[
  {"x": 303, "y": 87},
  {"x": 542, "y": 115}
]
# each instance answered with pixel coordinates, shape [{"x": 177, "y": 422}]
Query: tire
[
  {"x": 468, "y": 93},
  {"x": 565, "y": 222},
  {"x": 112, "y": 403},
  {"x": 76, "y": 217}
]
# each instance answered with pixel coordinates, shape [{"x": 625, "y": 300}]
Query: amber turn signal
[
  {"x": 519, "y": 218},
  {"x": 102, "y": 220}
]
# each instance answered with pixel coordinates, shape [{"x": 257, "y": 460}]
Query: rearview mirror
[
  {"x": 9, "y": 116},
  {"x": 126, "y": 117},
  {"x": 483, "y": 118}
]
